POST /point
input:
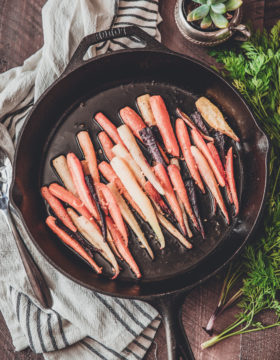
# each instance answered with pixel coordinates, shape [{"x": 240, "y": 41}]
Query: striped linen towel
[{"x": 82, "y": 324}]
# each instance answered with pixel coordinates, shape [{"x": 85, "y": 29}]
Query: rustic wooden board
[{"x": 20, "y": 36}]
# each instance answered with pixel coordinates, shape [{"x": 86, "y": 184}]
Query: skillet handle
[
  {"x": 170, "y": 309},
  {"x": 110, "y": 34}
]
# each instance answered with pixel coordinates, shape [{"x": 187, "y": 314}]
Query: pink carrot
[
  {"x": 58, "y": 208},
  {"x": 66, "y": 196},
  {"x": 179, "y": 187},
  {"x": 114, "y": 210},
  {"x": 231, "y": 181},
  {"x": 78, "y": 177},
  {"x": 164, "y": 124},
  {"x": 185, "y": 144},
  {"x": 106, "y": 144},
  {"x": 170, "y": 195},
  {"x": 122, "y": 248},
  {"x": 209, "y": 178},
  {"x": 90, "y": 155},
  {"x": 108, "y": 127},
  {"x": 201, "y": 145},
  {"x": 69, "y": 241}
]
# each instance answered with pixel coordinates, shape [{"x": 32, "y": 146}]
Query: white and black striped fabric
[{"x": 82, "y": 324}]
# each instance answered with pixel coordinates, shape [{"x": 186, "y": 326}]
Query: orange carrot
[
  {"x": 231, "y": 181},
  {"x": 170, "y": 195},
  {"x": 179, "y": 187},
  {"x": 201, "y": 145},
  {"x": 217, "y": 159},
  {"x": 109, "y": 127},
  {"x": 77, "y": 174},
  {"x": 209, "y": 178},
  {"x": 110, "y": 175},
  {"x": 106, "y": 144},
  {"x": 122, "y": 248},
  {"x": 69, "y": 241},
  {"x": 163, "y": 122},
  {"x": 132, "y": 120},
  {"x": 58, "y": 208},
  {"x": 64, "y": 195},
  {"x": 185, "y": 144},
  {"x": 114, "y": 210},
  {"x": 89, "y": 153}
]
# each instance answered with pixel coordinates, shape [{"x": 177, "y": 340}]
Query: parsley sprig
[{"x": 254, "y": 69}]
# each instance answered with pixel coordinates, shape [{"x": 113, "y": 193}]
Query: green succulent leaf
[
  {"x": 218, "y": 1},
  {"x": 206, "y": 22},
  {"x": 219, "y": 20},
  {"x": 219, "y": 8},
  {"x": 200, "y": 1},
  {"x": 198, "y": 13},
  {"x": 233, "y": 4}
]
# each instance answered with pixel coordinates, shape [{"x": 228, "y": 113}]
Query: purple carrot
[
  {"x": 149, "y": 141},
  {"x": 220, "y": 144},
  {"x": 197, "y": 119},
  {"x": 92, "y": 190},
  {"x": 193, "y": 200}
]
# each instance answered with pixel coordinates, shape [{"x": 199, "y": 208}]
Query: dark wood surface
[{"x": 20, "y": 36}]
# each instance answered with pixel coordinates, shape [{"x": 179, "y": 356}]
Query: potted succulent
[{"x": 210, "y": 22}]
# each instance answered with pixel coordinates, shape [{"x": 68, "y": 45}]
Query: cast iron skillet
[{"x": 107, "y": 83}]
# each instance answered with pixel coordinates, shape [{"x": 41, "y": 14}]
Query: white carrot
[
  {"x": 61, "y": 167},
  {"x": 135, "y": 191},
  {"x": 130, "y": 219},
  {"x": 144, "y": 106}
]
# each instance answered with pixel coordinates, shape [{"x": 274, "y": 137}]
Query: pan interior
[{"x": 174, "y": 259}]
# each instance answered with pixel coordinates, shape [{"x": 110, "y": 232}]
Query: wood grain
[{"x": 20, "y": 36}]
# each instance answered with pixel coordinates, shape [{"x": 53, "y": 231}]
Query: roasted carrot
[
  {"x": 69, "y": 241},
  {"x": 135, "y": 151},
  {"x": 106, "y": 144},
  {"x": 149, "y": 141},
  {"x": 128, "y": 179},
  {"x": 66, "y": 196},
  {"x": 197, "y": 119},
  {"x": 122, "y": 248},
  {"x": 164, "y": 124},
  {"x": 201, "y": 145},
  {"x": 85, "y": 167},
  {"x": 216, "y": 157},
  {"x": 89, "y": 153},
  {"x": 94, "y": 238},
  {"x": 193, "y": 200},
  {"x": 155, "y": 196},
  {"x": 213, "y": 116},
  {"x": 231, "y": 180},
  {"x": 145, "y": 109},
  {"x": 108, "y": 127},
  {"x": 179, "y": 187},
  {"x": 191, "y": 124},
  {"x": 209, "y": 179},
  {"x": 114, "y": 210},
  {"x": 170, "y": 195},
  {"x": 130, "y": 219},
  {"x": 61, "y": 167},
  {"x": 132, "y": 120},
  {"x": 185, "y": 144},
  {"x": 220, "y": 144},
  {"x": 91, "y": 187},
  {"x": 77, "y": 174},
  {"x": 58, "y": 208},
  {"x": 122, "y": 153},
  {"x": 110, "y": 175}
]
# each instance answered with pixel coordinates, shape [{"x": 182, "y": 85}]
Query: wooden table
[{"x": 20, "y": 36}]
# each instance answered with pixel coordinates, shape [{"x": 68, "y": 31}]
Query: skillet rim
[{"x": 162, "y": 49}]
